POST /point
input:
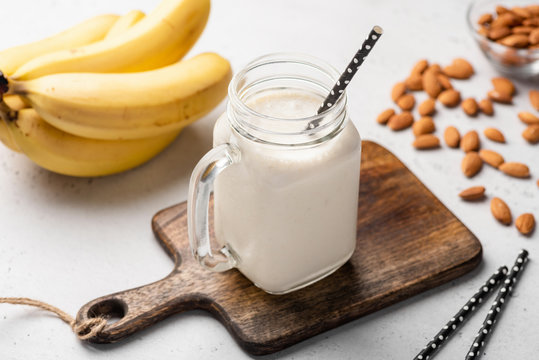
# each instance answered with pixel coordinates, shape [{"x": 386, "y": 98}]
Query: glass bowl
[{"x": 520, "y": 63}]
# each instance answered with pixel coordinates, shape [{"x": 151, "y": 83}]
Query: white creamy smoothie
[{"x": 288, "y": 214}]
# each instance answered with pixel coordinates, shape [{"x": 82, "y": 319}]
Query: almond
[
  {"x": 503, "y": 85},
  {"x": 501, "y": 9},
  {"x": 486, "y": 107},
  {"x": 426, "y": 141},
  {"x": 470, "y": 141},
  {"x": 431, "y": 85},
  {"x": 534, "y": 21},
  {"x": 526, "y": 30},
  {"x": 499, "y": 33},
  {"x": 485, "y": 19},
  {"x": 384, "y": 116},
  {"x": 515, "y": 40},
  {"x": 531, "y": 134},
  {"x": 515, "y": 169},
  {"x": 449, "y": 98},
  {"x": 435, "y": 68},
  {"x": 528, "y": 118},
  {"x": 427, "y": 107},
  {"x": 400, "y": 121},
  {"x": 425, "y": 125},
  {"x": 470, "y": 106},
  {"x": 500, "y": 211},
  {"x": 533, "y": 37},
  {"x": 420, "y": 67},
  {"x": 525, "y": 223},
  {"x": 444, "y": 81},
  {"x": 494, "y": 135},
  {"x": 398, "y": 90},
  {"x": 452, "y": 137},
  {"x": 499, "y": 97},
  {"x": 471, "y": 164},
  {"x": 414, "y": 82},
  {"x": 459, "y": 69},
  {"x": 406, "y": 102},
  {"x": 521, "y": 12},
  {"x": 491, "y": 157},
  {"x": 473, "y": 193},
  {"x": 534, "y": 99},
  {"x": 506, "y": 19},
  {"x": 533, "y": 9}
]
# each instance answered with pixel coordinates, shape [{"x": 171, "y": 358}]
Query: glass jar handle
[{"x": 200, "y": 190}]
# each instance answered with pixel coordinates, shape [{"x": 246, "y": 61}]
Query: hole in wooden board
[{"x": 113, "y": 310}]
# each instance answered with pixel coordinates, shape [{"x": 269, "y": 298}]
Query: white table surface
[{"x": 67, "y": 240}]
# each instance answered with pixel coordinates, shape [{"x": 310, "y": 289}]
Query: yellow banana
[
  {"x": 160, "y": 39},
  {"x": 89, "y": 31},
  {"x": 131, "y": 105},
  {"x": 125, "y": 22},
  {"x": 5, "y": 137},
  {"x": 66, "y": 154}
]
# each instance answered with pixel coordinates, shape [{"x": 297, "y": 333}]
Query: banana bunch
[{"x": 103, "y": 98}]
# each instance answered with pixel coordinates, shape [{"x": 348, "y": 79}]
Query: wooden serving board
[{"x": 408, "y": 242}]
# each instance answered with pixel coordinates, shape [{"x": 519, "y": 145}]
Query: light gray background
[{"x": 67, "y": 241}]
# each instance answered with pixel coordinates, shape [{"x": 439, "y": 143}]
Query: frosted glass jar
[{"x": 285, "y": 180}]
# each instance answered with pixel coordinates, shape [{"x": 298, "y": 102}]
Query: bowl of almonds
[{"x": 508, "y": 34}]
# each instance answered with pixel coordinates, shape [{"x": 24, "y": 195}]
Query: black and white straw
[
  {"x": 497, "y": 306},
  {"x": 352, "y": 68},
  {"x": 462, "y": 315}
]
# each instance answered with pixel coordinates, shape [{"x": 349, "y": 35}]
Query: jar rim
[{"x": 285, "y": 57}]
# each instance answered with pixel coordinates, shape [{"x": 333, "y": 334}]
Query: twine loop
[{"x": 84, "y": 330}]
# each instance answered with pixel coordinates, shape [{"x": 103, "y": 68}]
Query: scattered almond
[
  {"x": 491, "y": 157},
  {"x": 471, "y": 164},
  {"x": 398, "y": 90},
  {"x": 406, "y": 102},
  {"x": 528, "y": 118},
  {"x": 426, "y": 141},
  {"x": 384, "y": 116},
  {"x": 425, "y": 125},
  {"x": 470, "y": 141},
  {"x": 431, "y": 85},
  {"x": 414, "y": 82},
  {"x": 444, "y": 81},
  {"x": 449, "y": 98},
  {"x": 470, "y": 106},
  {"x": 525, "y": 223},
  {"x": 486, "y": 107},
  {"x": 531, "y": 134},
  {"x": 500, "y": 211},
  {"x": 522, "y": 30},
  {"x": 501, "y": 9},
  {"x": 534, "y": 99},
  {"x": 494, "y": 135},
  {"x": 427, "y": 107},
  {"x": 515, "y": 169},
  {"x": 459, "y": 69},
  {"x": 452, "y": 137},
  {"x": 499, "y": 97},
  {"x": 473, "y": 193},
  {"x": 521, "y": 12},
  {"x": 503, "y": 85},
  {"x": 400, "y": 121},
  {"x": 420, "y": 67}
]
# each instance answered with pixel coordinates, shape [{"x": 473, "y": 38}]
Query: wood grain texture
[{"x": 408, "y": 242}]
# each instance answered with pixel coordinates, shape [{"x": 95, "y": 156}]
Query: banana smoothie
[{"x": 289, "y": 215}]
